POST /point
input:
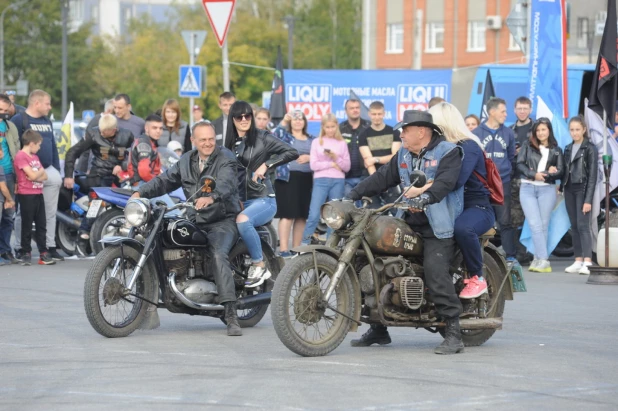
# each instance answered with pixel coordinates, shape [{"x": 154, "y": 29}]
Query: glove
[{"x": 419, "y": 203}]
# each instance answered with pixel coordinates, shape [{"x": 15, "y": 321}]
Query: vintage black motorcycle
[
  {"x": 161, "y": 264},
  {"x": 371, "y": 270}
]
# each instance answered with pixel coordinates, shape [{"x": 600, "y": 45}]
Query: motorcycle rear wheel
[
  {"x": 302, "y": 327},
  {"x": 120, "y": 315},
  {"x": 66, "y": 237}
]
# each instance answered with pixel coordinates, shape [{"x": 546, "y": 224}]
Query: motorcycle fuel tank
[
  {"x": 390, "y": 235},
  {"x": 185, "y": 234}
]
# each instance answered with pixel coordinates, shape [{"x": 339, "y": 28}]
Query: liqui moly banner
[
  {"x": 547, "y": 63},
  {"x": 317, "y": 92}
]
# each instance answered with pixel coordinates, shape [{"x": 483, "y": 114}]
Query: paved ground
[{"x": 557, "y": 351}]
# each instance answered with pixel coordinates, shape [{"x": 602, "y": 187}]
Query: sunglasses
[
  {"x": 242, "y": 117},
  {"x": 10, "y": 93}
]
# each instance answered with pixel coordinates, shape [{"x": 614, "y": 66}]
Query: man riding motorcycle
[
  {"x": 110, "y": 147},
  {"x": 432, "y": 213},
  {"x": 215, "y": 214}
]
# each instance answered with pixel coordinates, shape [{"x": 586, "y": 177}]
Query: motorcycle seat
[
  {"x": 123, "y": 191},
  {"x": 489, "y": 234}
]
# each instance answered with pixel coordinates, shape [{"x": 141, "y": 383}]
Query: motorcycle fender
[
  {"x": 495, "y": 254},
  {"x": 130, "y": 242},
  {"x": 353, "y": 278}
]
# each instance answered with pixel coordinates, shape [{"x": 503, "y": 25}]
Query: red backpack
[{"x": 493, "y": 182}]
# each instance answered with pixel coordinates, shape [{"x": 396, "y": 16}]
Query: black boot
[
  {"x": 377, "y": 334},
  {"x": 452, "y": 343},
  {"x": 233, "y": 328}
]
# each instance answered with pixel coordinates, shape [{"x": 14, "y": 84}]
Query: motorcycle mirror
[
  {"x": 418, "y": 178},
  {"x": 207, "y": 184}
]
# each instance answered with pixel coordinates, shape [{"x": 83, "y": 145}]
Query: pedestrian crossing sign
[{"x": 190, "y": 81}]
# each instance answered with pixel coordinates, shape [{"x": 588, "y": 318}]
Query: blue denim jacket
[
  {"x": 283, "y": 172},
  {"x": 441, "y": 215}
]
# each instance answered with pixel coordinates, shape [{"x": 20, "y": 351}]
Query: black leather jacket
[
  {"x": 528, "y": 161},
  {"x": 186, "y": 174},
  {"x": 268, "y": 149},
  {"x": 107, "y": 152},
  {"x": 583, "y": 169}
]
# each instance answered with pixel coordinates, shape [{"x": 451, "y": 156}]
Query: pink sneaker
[{"x": 474, "y": 288}]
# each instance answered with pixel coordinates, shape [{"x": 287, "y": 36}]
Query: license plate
[{"x": 93, "y": 210}]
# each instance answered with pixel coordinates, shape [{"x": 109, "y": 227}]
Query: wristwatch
[{"x": 376, "y": 160}]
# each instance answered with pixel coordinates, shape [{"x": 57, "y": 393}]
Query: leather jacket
[
  {"x": 528, "y": 162},
  {"x": 186, "y": 174},
  {"x": 268, "y": 149},
  {"x": 107, "y": 152},
  {"x": 583, "y": 169}
]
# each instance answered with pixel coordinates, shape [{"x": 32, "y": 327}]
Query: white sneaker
[
  {"x": 584, "y": 269},
  {"x": 533, "y": 265},
  {"x": 574, "y": 268},
  {"x": 257, "y": 275},
  {"x": 543, "y": 267}
]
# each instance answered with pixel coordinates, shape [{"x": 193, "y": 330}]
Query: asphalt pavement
[{"x": 557, "y": 351}]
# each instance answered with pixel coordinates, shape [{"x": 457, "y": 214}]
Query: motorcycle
[
  {"x": 371, "y": 271},
  {"x": 72, "y": 207},
  {"x": 130, "y": 278}
]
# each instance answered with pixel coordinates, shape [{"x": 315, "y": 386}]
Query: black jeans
[
  {"x": 580, "y": 222},
  {"x": 503, "y": 216},
  {"x": 222, "y": 236},
  {"x": 32, "y": 208},
  {"x": 94, "y": 181}
]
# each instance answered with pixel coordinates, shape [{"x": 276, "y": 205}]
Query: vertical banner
[
  {"x": 487, "y": 94},
  {"x": 277, "y": 107},
  {"x": 547, "y": 65},
  {"x": 66, "y": 138}
]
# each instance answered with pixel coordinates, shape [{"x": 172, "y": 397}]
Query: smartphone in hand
[{"x": 327, "y": 150}]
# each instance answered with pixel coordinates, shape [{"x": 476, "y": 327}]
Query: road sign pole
[
  {"x": 191, "y": 62},
  {"x": 226, "y": 67}
]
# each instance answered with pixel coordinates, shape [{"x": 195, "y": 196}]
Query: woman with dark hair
[
  {"x": 174, "y": 128},
  {"x": 578, "y": 184},
  {"x": 257, "y": 152},
  {"x": 472, "y": 121},
  {"x": 540, "y": 163},
  {"x": 294, "y": 181}
]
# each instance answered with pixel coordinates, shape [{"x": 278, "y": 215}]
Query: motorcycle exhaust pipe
[
  {"x": 171, "y": 282},
  {"x": 66, "y": 219},
  {"x": 252, "y": 301},
  {"x": 395, "y": 266}
]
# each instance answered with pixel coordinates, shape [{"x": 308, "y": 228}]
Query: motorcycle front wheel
[
  {"x": 112, "y": 312},
  {"x": 301, "y": 324}
]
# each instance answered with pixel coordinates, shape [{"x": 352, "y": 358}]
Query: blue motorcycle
[{"x": 72, "y": 207}]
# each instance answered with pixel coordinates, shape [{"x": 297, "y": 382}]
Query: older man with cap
[{"x": 432, "y": 213}]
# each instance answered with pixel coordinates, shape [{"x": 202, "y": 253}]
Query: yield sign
[{"x": 219, "y": 14}]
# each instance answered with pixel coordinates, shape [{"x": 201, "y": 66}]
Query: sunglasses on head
[{"x": 242, "y": 117}]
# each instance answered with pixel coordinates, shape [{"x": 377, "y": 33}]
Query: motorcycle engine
[
  {"x": 177, "y": 260},
  {"x": 408, "y": 292},
  {"x": 198, "y": 290}
]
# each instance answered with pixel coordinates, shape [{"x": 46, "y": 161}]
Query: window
[
  {"x": 513, "y": 46},
  {"x": 582, "y": 32},
  {"x": 476, "y": 36},
  {"x": 94, "y": 13},
  {"x": 434, "y": 38},
  {"x": 76, "y": 10},
  {"x": 394, "y": 38}
]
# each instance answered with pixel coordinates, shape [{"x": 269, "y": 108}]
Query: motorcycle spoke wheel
[
  {"x": 302, "y": 321},
  {"x": 118, "y": 308}
]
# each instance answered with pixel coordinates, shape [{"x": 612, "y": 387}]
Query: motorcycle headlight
[
  {"x": 335, "y": 216},
  {"x": 137, "y": 212}
]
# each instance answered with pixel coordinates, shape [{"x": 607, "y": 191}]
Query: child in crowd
[
  {"x": 578, "y": 184},
  {"x": 30, "y": 176},
  {"x": 329, "y": 160}
]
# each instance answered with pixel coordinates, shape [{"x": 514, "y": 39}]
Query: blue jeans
[
  {"x": 471, "y": 223},
  {"x": 538, "y": 203},
  {"x": 7, "y": 217},
  {"x": 324, "y": 189},
  {"x": 259, "y": 211}
]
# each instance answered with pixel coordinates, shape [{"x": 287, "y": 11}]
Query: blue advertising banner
[
  {"x": 317, "y": 92},
  {"x": 548, "y": 78}
]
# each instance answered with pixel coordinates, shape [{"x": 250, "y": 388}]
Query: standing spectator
[
  {"x": 7, "y": 204},
  {"x": 294, "y": 182},
  {"x": 108, "y": 108},
  {"x": 540, "y": 163},
  {"x": 262, "y": 118},
  {"x": 197, "y": 113},
  {"x": 523, "y": 126},
  {"x": 499, "y": 144},
  {"x": 578, "y": 184},
  {"x": 472, "y": 121},
  {"x": 35, "y": 118},
  {"x": 30, "y": 177},
  {"x": 9, "y": 146},
  {"x": 330, "y": 160},
  {"x": 350, "y": 129},
  {"x": 126, "y": 118},
  {"x": 175, "y": 128},
  {"x": 226, "y": 100}
]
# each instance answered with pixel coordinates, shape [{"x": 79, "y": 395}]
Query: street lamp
[{"x": 7, "y": 8}]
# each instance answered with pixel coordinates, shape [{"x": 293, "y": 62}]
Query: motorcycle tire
[
  {"x": 565, "y": 246},
  {"x": 66, "y": 237},
  {"x": 250, "y": 318},
  {"x": 94, "y": 287},
  {"x": 302, "y": 307},
  {"x": 100, "y": 226},
  {"x": 491, "y": 272}
]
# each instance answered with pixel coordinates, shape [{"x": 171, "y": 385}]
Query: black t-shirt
[
  {"x": 522, "y": 133},
  {"x": 380, "y": 143}
]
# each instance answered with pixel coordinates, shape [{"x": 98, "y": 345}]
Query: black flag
[
  {"x": 277, "y": 107},
  {"x": 603, "y": 91},
  {"x": 487, "y": 94},
  {"x": 364, "y": 110}
]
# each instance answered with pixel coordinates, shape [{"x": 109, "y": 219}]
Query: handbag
[{"x": 493, "y": 183}]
